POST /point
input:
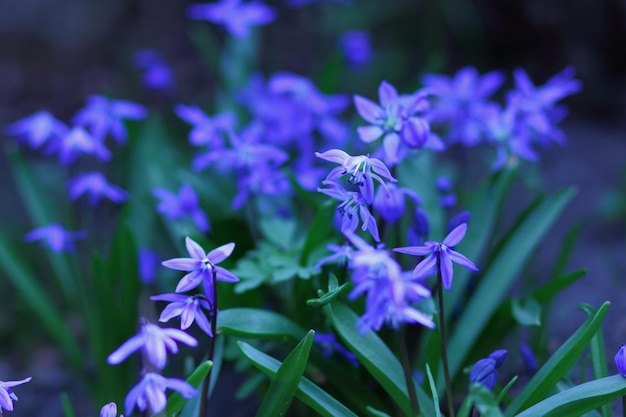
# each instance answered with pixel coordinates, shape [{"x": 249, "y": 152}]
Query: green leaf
[
  {"x": 333, "y": 292},
  {"x": 561, "y": 361},
  {"x": 176, "y": 402},
  {"x": 433, "y": 389},
  {"x": 598, "y": 357},
  {"x": 372, "y": 353},
  {"x": 579, "y": 399},
  {"x": 285, "y": 382},
  {"x": 309, "y": 393},
  {"x": 257, "y": 323},
  {"x": 500, "y": 275},
  {"x": 526, "y": 312},
  {"x": 484, "y": 400},
  {"x": 376, "y": 413},
  {"x": 68, "y": 410},
  {"x": 280, "y": 232}
]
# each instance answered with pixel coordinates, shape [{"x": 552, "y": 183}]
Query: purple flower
[
  {"x": 398, "y": 120},
  {"x": 96, "y": 185},
  {"x": 389, "y": 294},
  {"x": 420, "y": 228},
  {"x": 149, "y": 394},
  {"x": 341, "y": 254},
  {"x": 329, "y": 344},
  {"x": 206, "y": 130},
  {"x": 200, "y": 267},
  {"x": 103, "y": 115},
  {"x": 462, "y": 102},
  {"x": 154, "y": 341},
  {"x": 188, "y": 308},
  {"x": 362, "y": 169},
  {"x": 56, "y": 237},
  {"x": 389, "y": 202},
  {"x": 76, "y": 143},
  {"x": 356, "y": 48},
  {"x": 529, "y": 359},
  {"x": 440, "y": 256},
  {"x": 148, "y": 262},
  {"x": 184, "y": 204},
  {"x": 462, "y": 217},
  {"x": 157, "y": 75},
  {"x": 352, "y": 206},
  {"x": 484, "y": 370},
  {"x": 238, "y": 17},
  {"x": 620, "y": 360},
  {"x": 7, "y": 396},
  {"x": 109, "y": 410},
  {"x": 37, "y": 129}
]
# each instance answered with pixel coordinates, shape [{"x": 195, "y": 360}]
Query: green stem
[
  {"x": 406, "y": 367},
  {"x": 205, "y": 384},
  {"x": 442, "y": 334}
]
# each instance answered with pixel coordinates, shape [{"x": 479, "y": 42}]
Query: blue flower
[
  {"x": 157, "y": 75},
  {"x": 56, "y": 237},
  {"x": 154, "y": 342},
  {"x": 148, "y": 262},
  {"x": 79, "y": 142},
  {"x": 356, "y": 48},
  {"x": 462, "y": 102},
  {"x": 103, "y": 115},
  {"x": 389, "y": 201},
  {"x": 362, "y": 170},
  {"x": 96, "y": 186},
  {"x": 440, "y": 256},
  {"x": 329, "y": 344},
  {"x": 188, "y": 308},
  {"x": 529, "y": 359},
  {"x": 109, "y": 410},
  {"x": 37, "y": 129},
  {"x": 389, "y": 293},
  {"x": 206, "y": 130},
  {"x": 484, "y": 370},
  {"x": 352, "y": 206},
  {"x": 200, "y": 267},
  {"x": 149, "y": 394},
  {"x": 184, "y": 204},
  {"x": 7, "y": 396},
  {"x": 238, "y": 17}
]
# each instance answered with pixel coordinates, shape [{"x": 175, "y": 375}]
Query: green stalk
[
  {"x": 442, "y": 334},
  {"x": 205, "y": 385},
  {"x": 406, "y": 367}
]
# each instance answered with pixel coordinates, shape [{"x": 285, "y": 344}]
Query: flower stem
[
  {"x": 205, "y": 384},
  {"x": 442, "y": 334},
  {"x": 406, "y": 367}
]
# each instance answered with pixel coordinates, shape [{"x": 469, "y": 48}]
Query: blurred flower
[
  {"x": 462, "y": 102},
  {"x": 352, "y": 206},
  {"x": 154, "y": 341},
  {"x": 148, "y": 263},
  {"x": 7, "y": 396},
  {"x": 444, "y": 184},
  {"x": 37, "y": 129},
  {"x": 389, "y": 202},
  {"x": 462, "y": 217},
  {"x": 620, "y": 360},
  {"x": 447, "y": 201},
  {"x": 484, "y": 370},
  {"x": 420, "y": 228},
  {"x": 201, "y": 266},
  {"x": 206, "y": 130},
  {"x": 356, "y": 47},
  {"x": 389, "y": 294},
  {"x": 238, "y": 17},
  {"x": 529, "y": 359},
  {"x": 76, "y": 143},
  {"x": 96, "y": 185},
  {"x": 440, "y": 256},
  {"x": 109, "y": 410},
  {"x": 184, "y": 204},
  {"x": 103, "y": 115},
  {"x": 362, "y": 169},
  {"x": 329, "y": 344},
  {"x": 341, "y": 254},
  {"x": 56, "y": 237},
  {"x": 157, "y": 75},
  {"x": 188, "y": 308},
  {"x": 149, "y": 394}
]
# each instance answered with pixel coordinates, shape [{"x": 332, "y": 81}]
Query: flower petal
[
  {"x": 189, "y": 281},
  {"x": 462, "y": 260},
  {"x": 387, "y": 94},
  {"x": 369, "y": 110},
  {"x": 369, "y": 133},
  {"x": 181, "y": 264},
  {"x": 426, "y": 267},
  {"x": 195, "y": 250},
  {"x": 217, "y": 255},
  {"x": 455, "y": 236}
]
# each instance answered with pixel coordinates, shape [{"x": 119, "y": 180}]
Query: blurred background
[{"x": 54, "y": 53}]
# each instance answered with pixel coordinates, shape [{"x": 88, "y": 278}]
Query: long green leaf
[
  {"x": 176, "y": 402},
  {"x": 285, "y": 382},
  {"x": 372, "y": 353},
  {"x": 257, "y": 323},
  {"x": 579, "y": 399},
  {"x": 309, "y": 393},
  {"x": 561, "y": 361},
  {"x": 598, "y": 357},
  {"x": 500, "y": 275}
]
